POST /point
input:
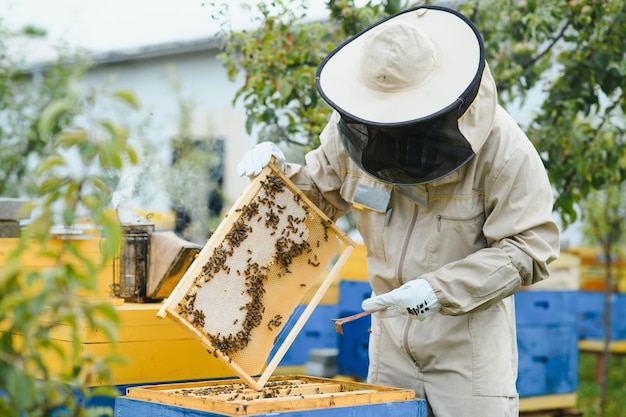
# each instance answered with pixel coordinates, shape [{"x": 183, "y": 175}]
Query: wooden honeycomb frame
[
  {"x": 273, "y": 251},
  {"x": 282, "y": 394}
]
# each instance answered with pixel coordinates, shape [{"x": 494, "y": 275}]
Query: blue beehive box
[
  {"x": 126, "y": 407},
  {"x": 548, "y": 358},
  {"x": 353, "y": 359},
  {"x": 591, "y": 307},
  {"x": 546, "y": 306},
  {"x": 317, "y": 333},
  {"x": 352, "y": 294},
  {"x": 547, "y": 342},
  {"x": 288, "y": 396}
]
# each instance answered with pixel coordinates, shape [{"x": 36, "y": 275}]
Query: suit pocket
[{"x": 494, "y": 353}]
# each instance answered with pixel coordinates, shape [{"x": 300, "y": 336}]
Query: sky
[
  {"x": 105, "y": 25},
  {"x": 102, "y": 25}
]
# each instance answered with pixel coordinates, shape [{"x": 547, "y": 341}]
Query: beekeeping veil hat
[{"x": 415, "y": 94}]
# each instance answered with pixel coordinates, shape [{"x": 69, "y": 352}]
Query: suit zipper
[
  {"x": 403, "y": 254},
  {"x": 405, "y": 246}
]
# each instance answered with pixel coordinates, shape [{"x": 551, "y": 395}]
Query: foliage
[
  {"x": 23, "y": 96},
  {"x": 588, "y": 394},
  {"x": 40, "y": 374},
  {"x": 605, "y": 214},
  {"x": 565, "y": 55},
  {"x": 280, "y": 57},
  {"x": 573, "y": 54}
]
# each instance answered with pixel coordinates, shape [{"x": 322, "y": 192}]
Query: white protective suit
[{"x": 476, "y": 236}]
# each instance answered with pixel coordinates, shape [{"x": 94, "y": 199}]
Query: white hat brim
[{"x": 461, "y": 59}]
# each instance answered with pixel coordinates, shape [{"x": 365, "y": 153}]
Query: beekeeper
[{"x": 450, "y": 197}]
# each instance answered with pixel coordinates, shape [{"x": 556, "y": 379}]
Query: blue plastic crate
[
  {"x": 591, "y": 307},
  {"x": 548, "y": 358},
  {"x": 353, "y": 359},
  {"x": 317, "y": 333}
]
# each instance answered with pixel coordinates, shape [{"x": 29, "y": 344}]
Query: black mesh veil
[{"x": 415, "y": 153}]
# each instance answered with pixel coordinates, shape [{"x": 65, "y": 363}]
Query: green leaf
[
  {"x": 51, "y": 115},
  {"x": 127, "y": 97},
  {"x": 68, "y": 216},
  {"x": 48, "y": 163},
  {"x": 51, "y": 184},
  {"x": 20, "y": 387},
  {"x": 69, "y": 139},
  {"x": 132, "y": 155}
]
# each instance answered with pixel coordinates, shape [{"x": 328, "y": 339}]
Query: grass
[{"x": 589, "y": 390}]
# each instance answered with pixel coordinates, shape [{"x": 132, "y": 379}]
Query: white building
[{"x": 160, "y": 76}]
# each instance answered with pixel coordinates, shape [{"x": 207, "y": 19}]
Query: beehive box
[
  {"x": 153, "y": 350},
  {"x": 547, "y": 342},
  {"x": 258, "y": 266},
  {"x": 591, "y": 310},
  {"x": 281, "y": 394}
]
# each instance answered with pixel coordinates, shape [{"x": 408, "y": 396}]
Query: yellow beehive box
[
  {"x": 89, "y": 247},
  {"x": 593, "y": 270},
  {"x": 355, "y": 268},
  {"x": 153, "y": 350}
]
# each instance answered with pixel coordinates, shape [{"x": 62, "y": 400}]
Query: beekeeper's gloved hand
[
  {"x": 416, "y": 299},
  {"x": 258, "y": 157}
]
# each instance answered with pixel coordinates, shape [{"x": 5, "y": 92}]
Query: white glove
[
  {"x": 415, "y": 298},
  {"x": 258, "y": 157}
]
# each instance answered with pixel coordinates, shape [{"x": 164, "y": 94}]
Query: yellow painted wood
[
  {"x": 168, "y": 360},
  {"x": 282, "y": 393},
  {"x": 156, "y": 350},
  {"x": 289, "y": 370},
  {"x": 162, "y": 220},
  {"x": 138, "y": 322},
  {"x": 35, "y": 260},
  {"x": 355, "y": 268},
  {"x": 146, "y": 361},
  {"x": 547, "y": 402},
  {"x": 618, "y": 346}
]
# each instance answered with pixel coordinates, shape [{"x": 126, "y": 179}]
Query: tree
[
  {"x": 57, "y": 151},
  {"x": 573, "y": 54},
  {"x": 280, "y": 56},
  {"x": 569, "y": 53},
  {"x": 605, "y": 214},
  {"x": 22, "y": 101},
  {"x": 36, "y": 304}
]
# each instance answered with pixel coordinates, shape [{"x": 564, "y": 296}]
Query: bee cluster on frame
[{"x": 275, "y": 218}]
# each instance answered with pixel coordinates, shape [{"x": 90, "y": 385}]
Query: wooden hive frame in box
[
  {"x": 282, "y": 394},
  {"x": 262, "y": 261}
]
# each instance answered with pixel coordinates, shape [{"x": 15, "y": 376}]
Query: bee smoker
[{"x": 130, "y": 272}]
